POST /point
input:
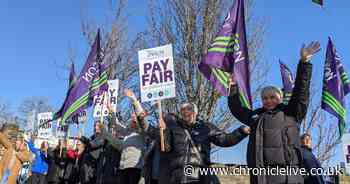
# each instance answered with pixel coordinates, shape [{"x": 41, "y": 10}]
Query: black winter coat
[
  {"x": 309, "y": 162},
  {"x": 148, "y": 161},
  {"x": 71, "y": 174},
  {"x": 57, "y": 165},
  {"x": 111, "y": 165},
  {"x": 92, "y": 160},
  {"x": 182, "y": 152},
  {"x": 86, "y": 168},
  {"x": 275, "y": 131},
  {"x": 101, "y": 158}
]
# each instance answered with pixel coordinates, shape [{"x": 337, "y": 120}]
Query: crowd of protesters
[{"x": 142, "y": 156}]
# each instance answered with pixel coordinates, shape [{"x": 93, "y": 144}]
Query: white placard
[
  {"x": 346, "y": 151},
  {"x": 82, "y": 117},
  {"x": 45, "y": 127},
  {"x": 101, "y": 102},
  {"x": 156, "y": 68},
  {"x": 61, "y": 129}
]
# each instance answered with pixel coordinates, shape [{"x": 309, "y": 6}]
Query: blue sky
[{"x": 37, "y": 34}]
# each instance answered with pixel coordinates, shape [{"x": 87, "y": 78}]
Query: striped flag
[
  {"x": 91, "y": 81},
  {"x": 288, "y": 82},
  {"x": 344, "y": 77},
  {"x": 71, "y": 82},
  {"x": 229, "y": 54},
  {"x": 335, "y": 87}
]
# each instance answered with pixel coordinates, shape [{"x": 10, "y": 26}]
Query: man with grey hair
[
  {"x": 274, "y": 142},
  {"x": 188, "y": 142}
]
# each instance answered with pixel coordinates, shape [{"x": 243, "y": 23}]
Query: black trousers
[
  {"x": 153, "y": 181},
  {"x": 37, "y": 178},
  {"x": 130, "y": 176}
]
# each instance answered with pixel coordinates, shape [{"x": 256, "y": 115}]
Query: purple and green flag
[
  {"x": 91, "y": 81},
  {"x": 71, "y": 82},
  {"x": 335, "y": 87},
  {"x": 288, "y": 82},
  {"x": 319, "y": 2},
  {"x": 344, "y": 77},
  {"x": 228, "y": 54}
]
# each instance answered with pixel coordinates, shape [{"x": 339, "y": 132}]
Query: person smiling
[{"x": 274, "y": 140}]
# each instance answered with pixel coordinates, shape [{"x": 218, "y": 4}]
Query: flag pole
[
  {"x": 61, "y": 148},
  {"x": 68, "y": 134},
  {"x": 79, "y": 131}
]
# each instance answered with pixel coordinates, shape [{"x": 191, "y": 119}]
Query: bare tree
[
  {"x": 119, "y": 51},
  {"x": 190, "y": 26},
  {"x": 5, "y": 114},
  {"x": 36, "y": 103}
]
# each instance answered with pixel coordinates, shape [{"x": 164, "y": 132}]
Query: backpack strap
[{"x": 196, "y": 151}]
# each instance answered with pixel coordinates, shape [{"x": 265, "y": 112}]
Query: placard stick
[
  {"x": 79, "y": 132},
  {"x": 61, "y": 147},
  {"x": 161, "y": 129}
]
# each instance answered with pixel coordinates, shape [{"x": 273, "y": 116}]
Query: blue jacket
[{"x": 40, "y": 164}]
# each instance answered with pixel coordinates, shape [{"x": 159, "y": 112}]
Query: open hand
[
  {"x": 129, "y": 93},
  {"x": 246, "y": 130},
  {"x": 232, "y": 80},
  {"x": 307, "y": 52}
]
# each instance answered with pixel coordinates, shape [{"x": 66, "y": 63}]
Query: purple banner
[{"x": 229, "y": 54}]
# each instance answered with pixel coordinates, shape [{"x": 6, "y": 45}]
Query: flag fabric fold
[
  {"x": 319, "y": 2},
  {"x": 91, "y": 81},
  {"x": 72, "y": 76},
  {"x": 288, "y": 82},
  {"x": 334, "y": 87},
  {"x": 228, "y": 54}
]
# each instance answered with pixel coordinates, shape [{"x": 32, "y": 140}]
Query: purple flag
[
  {"x": 72, "y": 80},
  {"x": 229, "y": 54},
  {"x": 91, "y": 81},
  {"x": 344, "y": 77},
  {"x": 333, "y": 89},
  {"x": 287, "y": 80}
]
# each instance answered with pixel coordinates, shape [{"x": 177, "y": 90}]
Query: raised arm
[
  {"x": 32, "y": 148},
  {"x": 243, "y": 114},
  {"x": 114, "y": 142},
  {"x": 222, "y": 139},
  {"x": 297, "y": 105},
  {"x": 95, "y": 143}
]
